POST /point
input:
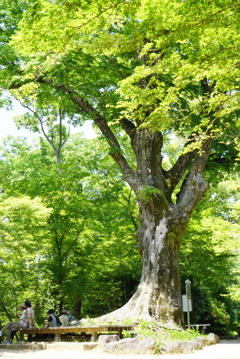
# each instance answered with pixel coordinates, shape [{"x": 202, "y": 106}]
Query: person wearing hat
[{"x": 12, "y": 327}]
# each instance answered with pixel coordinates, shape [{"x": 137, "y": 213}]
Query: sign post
[{"x": 188, "y": 297}]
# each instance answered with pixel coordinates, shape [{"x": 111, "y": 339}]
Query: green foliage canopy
[{"x": 162, "y": 65}]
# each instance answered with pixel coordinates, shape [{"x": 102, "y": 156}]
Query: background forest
[{"x": 68, "y": 235}]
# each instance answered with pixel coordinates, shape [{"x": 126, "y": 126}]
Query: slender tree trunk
[{"x": 77, "y": 308}]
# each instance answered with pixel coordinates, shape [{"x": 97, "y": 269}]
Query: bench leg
[
  {"x": 94, "y": 337},
  {"x": 57, "y": 337}
]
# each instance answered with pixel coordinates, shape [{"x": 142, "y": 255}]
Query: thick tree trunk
[
  {"x": 159, "y": 288},
  {"x": 158, "y": 295},
  {"x": 163, "y": 223}
]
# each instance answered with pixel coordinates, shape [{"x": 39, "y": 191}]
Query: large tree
[{"x": 146, "y": 72}]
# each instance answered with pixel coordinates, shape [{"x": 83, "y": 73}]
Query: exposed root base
[{"x": 134, "y": 311}]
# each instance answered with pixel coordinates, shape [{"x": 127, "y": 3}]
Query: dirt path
[{"x": 224, "y": 350}]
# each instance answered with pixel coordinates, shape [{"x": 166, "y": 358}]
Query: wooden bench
[
  {"x": 94, "y": 330},
  {"x": 202, "y": 327}
]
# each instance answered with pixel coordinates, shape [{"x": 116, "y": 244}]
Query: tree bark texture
[{"x": 162, "y": 224}]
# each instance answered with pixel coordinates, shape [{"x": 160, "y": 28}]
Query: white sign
[{"x": 187, "y": 306}]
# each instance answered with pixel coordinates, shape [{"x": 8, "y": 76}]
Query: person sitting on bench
[
  {"x": 53, "y": 320},
  {"x": 64, "y": 318},
  {"x": 12, "y": 327}
]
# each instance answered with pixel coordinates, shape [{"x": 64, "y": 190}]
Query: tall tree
[
  {"x": 23, "y": 232},
  {"x": 88, "y": 246},
  {"x": 142, "y": 70}
]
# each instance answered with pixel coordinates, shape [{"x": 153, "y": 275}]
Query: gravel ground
[{"x": 224, "y": 350}]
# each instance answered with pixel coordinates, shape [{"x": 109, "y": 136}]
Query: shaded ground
[{"x": 229, "y": 349}]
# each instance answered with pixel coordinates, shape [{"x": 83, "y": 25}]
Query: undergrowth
[
  {"x": 156, "y": 330},
  {"x": 161, "y": 334}
]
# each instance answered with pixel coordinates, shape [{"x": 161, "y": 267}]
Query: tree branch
[
  {"x": 194, "y": 185},
  {"x": 128, "y": 127},
  {"x": 175, "y": 174},
  {"x": 100, "y": 121}
]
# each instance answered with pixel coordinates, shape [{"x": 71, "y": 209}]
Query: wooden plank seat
[
  {"x": 202, "y": 327},
  {"x": 94, "y": 330}
]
